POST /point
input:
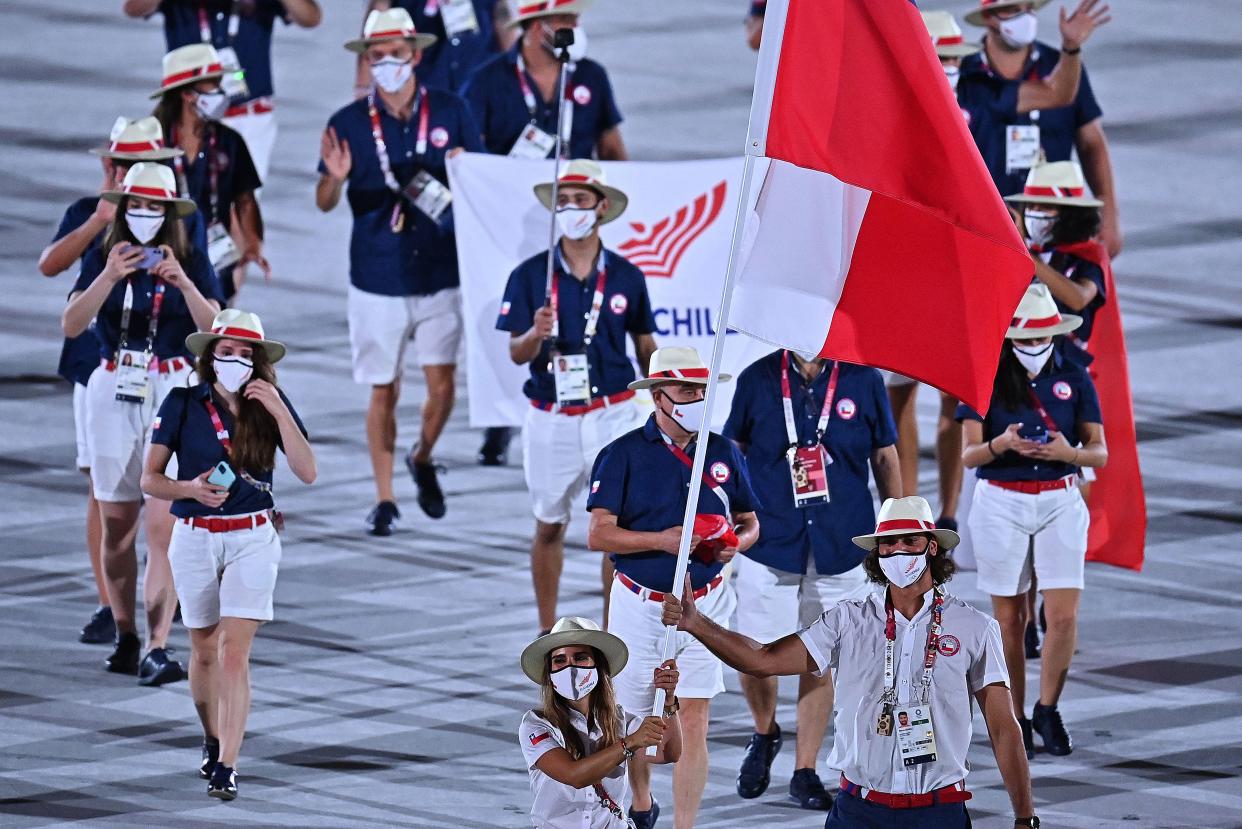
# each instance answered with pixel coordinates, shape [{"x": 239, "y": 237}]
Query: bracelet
[
  {"x": 1075, "y": 460},
  {"x": 990, "y": 449},
  {"x": 626, "y": 751},
  {"x": 672, "y": 708},
  {"x": 1070, "y": 51}
]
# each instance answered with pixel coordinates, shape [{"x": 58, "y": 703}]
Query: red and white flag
[{"x": 873, "y": 232}]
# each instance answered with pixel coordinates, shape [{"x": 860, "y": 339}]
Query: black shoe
[
  {"x": 806, "y": 787},
  {"x": 647, "y": 819},
  {"x": 495, "y": 448},
  {"x": 754, "y": 776},
  {"x": 158, "y": 668},
  {"x": 223, "y": 783},
  {"x": 430, "y": 496},
  {"x": 211, "y": 756},
  {"x": 1047, "y": 721},
  {"x": 1028, "y": 739},
  {"x": 946, "y": 522},
  {"x": 100, "y": 630},
  {"x": 124, "y": 658},
  {"x": 1043, "y": 620},
  {"x": 383, "y": 518},
  {"x": 1030, "y": 641}
]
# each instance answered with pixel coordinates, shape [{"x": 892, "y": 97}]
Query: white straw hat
[
  {"x": 1038, "y": 316},
  {"x": 151, "y": 180},
  {"x": 1056, "y": 182},
  {"x": 902, "y": 516},
  {"x": 530, "y": 9},
  {"x": 583, "y": 172},
  {"x": 384, "y": 25},
  {"x": 141, "y": 140},
  {"x": 975, "y": 16},
  {"x": 573, "y": 630},
  {"x": 189, "y": 64},
  {"x": 233, "y": 324},
  {"x": 947, "y": 36},
  {"x": 676, "y": 364}
]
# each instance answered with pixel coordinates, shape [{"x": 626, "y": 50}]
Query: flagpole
[{"x": 562, "y": 39}]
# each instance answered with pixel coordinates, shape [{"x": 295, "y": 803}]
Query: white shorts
[
  {"x": 1015, "y": 533},
  {"x": 118, "y": 433},
  {"x": 380, "y": 326},
  {"x": 79, "y": 426},
  {"x": 892, "y": 379},
  {"x": 224, "y": 574},
  {"x": 636, "y": 621},
  {"x": 258, "y": 130},
  {"x": 559, "y": 450},
  {"x": 772, "y": 603}
]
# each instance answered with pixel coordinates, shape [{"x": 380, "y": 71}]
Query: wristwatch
[
  {"x": 1032, "y": 821},
  {"x": 672, "y": 708}
]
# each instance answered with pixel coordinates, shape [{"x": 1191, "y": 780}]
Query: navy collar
[
  {"x": 563, "y": 266},
  {"x": 201, "y": 392},
  {"x": 651, "y": 431}
]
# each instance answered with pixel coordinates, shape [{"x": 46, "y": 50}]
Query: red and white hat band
[
  {"x": 1056, "y": 192},
  {"x": 230, "y": 331},
  {"x": 950, "y": 40},
  {"x": 192, "y": 73},
  {"x": 136, "y": 146},
  {"x": 903, "y": 524},
  {"x": 680, "y": 373},
  {"x": 1036, "y": 322},
  {"x": 392, "y": 33},
  {"x": 543, "y": 6},
  {"x": 152, "y": 192}
]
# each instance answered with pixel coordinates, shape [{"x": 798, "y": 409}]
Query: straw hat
[
  {"x": 902, "y": 516},
  {"x": 573, "y": 630},
  {"x": 1038, "y": 316},
  {"x": 151, "y": 180},
  {"x": 141, "y": 140},
  {"x": 188, "y": 65},
  {"x": 1056, "y": 182},
  {"x": 583, "y": 172},
  {"x": 235, "y": 325},
  {"x": 947, "y": 36},
  {"x": 384, "y": 26},
  {"x": 676, "y": 364},
  {"x": 531, "y": 9},
  {"x": 975, "y": 16}
]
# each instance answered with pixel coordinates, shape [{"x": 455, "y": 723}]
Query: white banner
[{"x": 677, "y": 229}]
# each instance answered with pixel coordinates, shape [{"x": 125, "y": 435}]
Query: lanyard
[
  {"x": 528, "y": 95},
  {"x": 377, "y": 133},
  {"x": 715, "y": 487},
  {"x": 222, "y": 435},
  {"x": 597, "y": 301},
  {"x": 204, "y": 22},
  {"x": 127, "y": 306},
  {"x": 213, "y": 173},
  {"x": 929, "y": 657},
  {"x": 787, "y": 403},
  {"x": 1043, "y": 413}
]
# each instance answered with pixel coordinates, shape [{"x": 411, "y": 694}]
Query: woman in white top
[{"x": 578, "y": 742}]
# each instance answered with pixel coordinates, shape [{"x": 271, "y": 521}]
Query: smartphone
[
  {"x": 1034, "y": 435},
  {"x": 222, "y": 475},
  {"x": 150, "y": 258}
]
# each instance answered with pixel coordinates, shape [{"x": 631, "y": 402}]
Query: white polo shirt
[
  {"x": 559, "y": 806},
  {"x": 849, "y": 638}
]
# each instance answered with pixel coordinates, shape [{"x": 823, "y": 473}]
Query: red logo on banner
[{"x": 657, "y": 251}]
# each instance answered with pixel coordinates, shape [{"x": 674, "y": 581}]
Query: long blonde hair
[{"x": 602, "y": 711}]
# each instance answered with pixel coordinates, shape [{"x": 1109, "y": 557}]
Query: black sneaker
[
  {"x": 647, "y": 819},
  {"x": 806, "y": 787},
  {"x": 1028, "y": 739},
  {"x": 158, "y": 668},
  {"x": 754, "y": 776},
  {"x": 1047, "y": 721},
  {"x": 1030, "y": 641},
  {"x": 495, "y": 448},
  {"x": 101, "y": 629},
  {"x": 946, "y": 522},
  {"x": 383, "y": 518},
  {"x": 430, "y": 496},
  {"x": 124, "y": 658},
  {"x": 211, "y": 756},
  {"x": 223, "y": 783}
]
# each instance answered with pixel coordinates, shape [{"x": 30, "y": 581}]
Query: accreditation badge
[
  {"x": 533, "y": 143},
  {"x": 133, "y": 382},
  {"x": 220, "y": 247},
  {"x": 915, "y": 737},
  {"x": 1021, "y": 147},
  {"x": 233, "y": 82},
  {"x": 808, "y": 467},
  {"x": 573, "y": 379},
  {"x": 430, "y": 196},
  {"x": 459, "y": 17}
]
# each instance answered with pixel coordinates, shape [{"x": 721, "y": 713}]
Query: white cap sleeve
[
  {"x": 823, "y": 638},
  {"x": 988, "y": 667},
  {"x": 537, "y": 737}
]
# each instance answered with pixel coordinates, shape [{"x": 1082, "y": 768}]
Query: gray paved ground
[{"x": 388, "y": 693}]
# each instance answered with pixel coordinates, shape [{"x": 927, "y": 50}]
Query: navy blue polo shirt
[
  {"x": 991, "y": 103},
  {"x": 422, "y": 259},
  {"x": 1075, "y": 267},
  {"x": 495, "y": 96},
  {"x": 861, "y": 422},
  {"x": 184, "y": 426},
  {"x": 175, "y": 322},
  {"x": 79, "y": 356},
  {"x": 626, "y": 310},
  {"x": 1067, "y": 394},
  {"x": 234, "y": 170},
  {"x": 640, "y": 481},
  {"x": 449, "y": 62},
  {"x": 253, "y": 44}
]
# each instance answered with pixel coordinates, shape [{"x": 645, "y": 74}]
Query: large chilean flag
[{"x": 873, "y": 232}]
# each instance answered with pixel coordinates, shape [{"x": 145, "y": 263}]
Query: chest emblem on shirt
[
  {"x": 720, "y": 472},
  {"x": 582, "y": 95},
  {"x": 846, "y": 409},
  {"x": 156, "y": 424},
  {"x": 618, "y": 303},
  {"x": 1062, "y": 390},
  {"x": 948, "y": 645},
  {"x": 439, "y": 138},
  {"x": 594, "y": 487},
  {"x": 504, "y": 308}
]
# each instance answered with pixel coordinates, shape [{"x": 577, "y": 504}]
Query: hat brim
[
  {"x": 200, "y": 341},
  {"x": 1067, "y": 324},
  {"x": 958, "y": 50},
  {"x": 617, "y": 200},
  {"x": 577, "y": 7},
  {"x": 947, "y": 539},
  {"x": 652, "y": 382},
  {"x": 162, "y": 154},
  {"x": 182, "y": 207},
  {"x": 360, "y": 44},
  {"x": 210, "y": 76},
  {"x": 1068, "y": 201},
  {"x": 975, "y": 16},
  {"x": 535, "y": 655}
]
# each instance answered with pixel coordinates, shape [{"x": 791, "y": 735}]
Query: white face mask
[
  {"x": 903, "y": 570},
  {"x": 1033, "y": 359},
  {"x": 232, "y": 372},
  {"x": 574, "y": 683},
  {"x": 576, "y": 222},
  {"x": 212, "y": 105},
  {"x": 577, "y": 49},
  {"x": 953, "y": 74},
  {"x": 689, "y": 416},
  {"x": 391, "y": 74},
  {"x": 1038, "y": 226},
  {"x": 144, "y": 224},
  {"x": 1019, "y": 30}
]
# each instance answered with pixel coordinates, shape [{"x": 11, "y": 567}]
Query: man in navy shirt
[
  {"x": 391, "y": 148},
  {"x": 810, "y": 469},
  {"x": 574, "y": 342},
  {"x": 1012, "y": 133},
  {"x": 637, "y": 503},
  {"x": 469, "y": 33},
  {"x": 241, "y": 30}
]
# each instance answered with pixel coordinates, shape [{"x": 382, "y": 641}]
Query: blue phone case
[{"x": 222, "y": 475}]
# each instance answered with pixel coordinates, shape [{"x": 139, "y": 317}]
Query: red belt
[
  {"x": 949, "y": 794},
  {"x": 1035, "y": 487},
  {"x": 225, "y": 525},
  {"x": 256, "y": 107},
  {"x": 656, "y": 596},
  {"x": 598, "y": 403},
  {"x": 164, "y": 366}
]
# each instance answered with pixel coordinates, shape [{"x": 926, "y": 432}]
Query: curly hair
[
  {"x": 1075, "y": 224},
  {"x": 941, "y": 565}
]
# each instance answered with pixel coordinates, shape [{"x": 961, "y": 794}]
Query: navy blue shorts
[{"x": 851, "y": 812}]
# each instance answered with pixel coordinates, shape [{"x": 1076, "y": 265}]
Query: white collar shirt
[
  {"x": 849, "y": 639},
  {"x": 557, "y": 805}
]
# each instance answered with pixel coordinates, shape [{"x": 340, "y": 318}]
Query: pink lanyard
[
  {"x": 222, "y": 435},
  {"x": 528, "y": 95},
  {"x": 597, "y": 302},
  {"x": 204, "y": 23},
  {"x": 787, "y": 403},
  {"x": 127, "y": 305},
  {"x": 213, "y": 174},
  {"x": 929, "y": 656},
  {"x": 712, "y": 484},
  {"x": 377, "y": 133},
  {"x": 1043, "y": 413}
]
